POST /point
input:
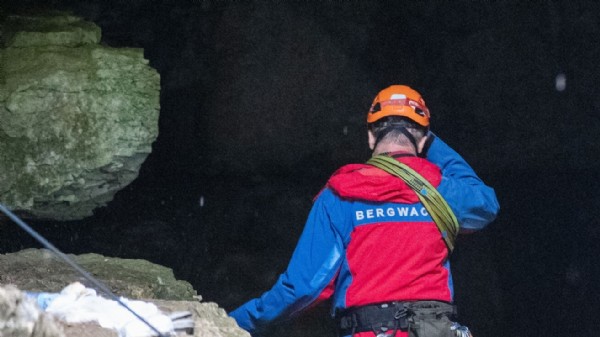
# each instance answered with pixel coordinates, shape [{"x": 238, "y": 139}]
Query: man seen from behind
[{"x": 371, "y": 245}]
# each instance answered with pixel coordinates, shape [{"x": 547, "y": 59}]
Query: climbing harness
[
  {"x": 435, "y": 204},
  {"x": 419, "y": 318},
  {"x": 378, "y": 318},
  {"x": 75, "y": 266}
]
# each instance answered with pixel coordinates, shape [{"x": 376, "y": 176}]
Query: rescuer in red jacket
[{"x": 370, "y": 244}]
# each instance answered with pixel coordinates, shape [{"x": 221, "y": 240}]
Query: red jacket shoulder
[{"x": 366, "y": 182}]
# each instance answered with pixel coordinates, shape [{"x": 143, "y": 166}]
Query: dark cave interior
[{"x": 225, "y": 212}]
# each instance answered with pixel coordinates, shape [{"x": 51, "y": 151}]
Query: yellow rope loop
[{"x": 436, "y": 205}]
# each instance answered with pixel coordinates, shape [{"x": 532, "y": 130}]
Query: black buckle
[
  {"x": 348, "y": 322},
  {"x": 401, "y": 312},
  {"x": 375, "y": 318},
  {"x": 400, "y": 315}
]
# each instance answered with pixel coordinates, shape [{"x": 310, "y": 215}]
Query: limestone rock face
[
  {"x": 77, "y": 119},
  {"x": 39, "y": 270},
  {"x": 21, "y": 317}
]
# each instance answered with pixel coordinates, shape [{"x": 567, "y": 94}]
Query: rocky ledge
[{"x": 40, "y": 271}]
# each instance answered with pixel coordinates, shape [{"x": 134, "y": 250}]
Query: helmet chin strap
[{"x": 404, "y": 131}]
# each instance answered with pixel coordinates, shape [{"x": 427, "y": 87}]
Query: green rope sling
[{"x": 435, "y": 204}]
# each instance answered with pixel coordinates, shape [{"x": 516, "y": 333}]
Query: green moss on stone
[
  {"x": 51, "y": 29},
  {"x": 72, "y": 115},
  {"x": 40, "y": 270}
]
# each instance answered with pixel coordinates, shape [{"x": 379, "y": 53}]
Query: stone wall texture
[
  {"x": 77, "y": 119},
  {"x": 39, "y": 270}
]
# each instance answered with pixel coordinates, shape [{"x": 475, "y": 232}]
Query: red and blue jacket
[{"x": 369, "y": 240}]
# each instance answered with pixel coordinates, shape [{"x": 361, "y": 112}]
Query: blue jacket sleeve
[
  {"x": 474, "y": 203},
  {"x": 313, "y": 266}
]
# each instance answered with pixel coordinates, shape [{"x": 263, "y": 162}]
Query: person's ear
[
  {"x": 371, "y": 139},
  {"x": 422, "y": 143}
]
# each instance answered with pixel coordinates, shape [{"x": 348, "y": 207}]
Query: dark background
[{"x": 262, "y": 100}]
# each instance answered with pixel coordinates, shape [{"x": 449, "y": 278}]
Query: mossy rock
[
  {"x": 21, "y": 317},
  {"x": 77, "y": 119},
  {"x": 48, "y": 29},
  {"x": 40, "y": 270}
]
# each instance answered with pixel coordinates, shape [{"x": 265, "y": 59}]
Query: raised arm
[{"x": 473, "y": 202}]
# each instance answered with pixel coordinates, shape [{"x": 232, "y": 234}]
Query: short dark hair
[{"x": 388, "y": 129}]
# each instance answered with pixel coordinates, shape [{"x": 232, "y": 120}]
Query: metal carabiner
[{"x": 460, "y": 330}]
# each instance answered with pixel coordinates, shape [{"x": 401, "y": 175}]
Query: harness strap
[
  {"x": 375, "y": 318},
  {"x": 394, "y": 316},
  {"x": 436, "y": 205}
]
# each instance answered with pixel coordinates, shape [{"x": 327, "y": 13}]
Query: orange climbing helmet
[{"x": 399, "y": 100}]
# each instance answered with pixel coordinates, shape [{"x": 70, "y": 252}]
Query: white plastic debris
[{"x": 78, "y": 304}]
